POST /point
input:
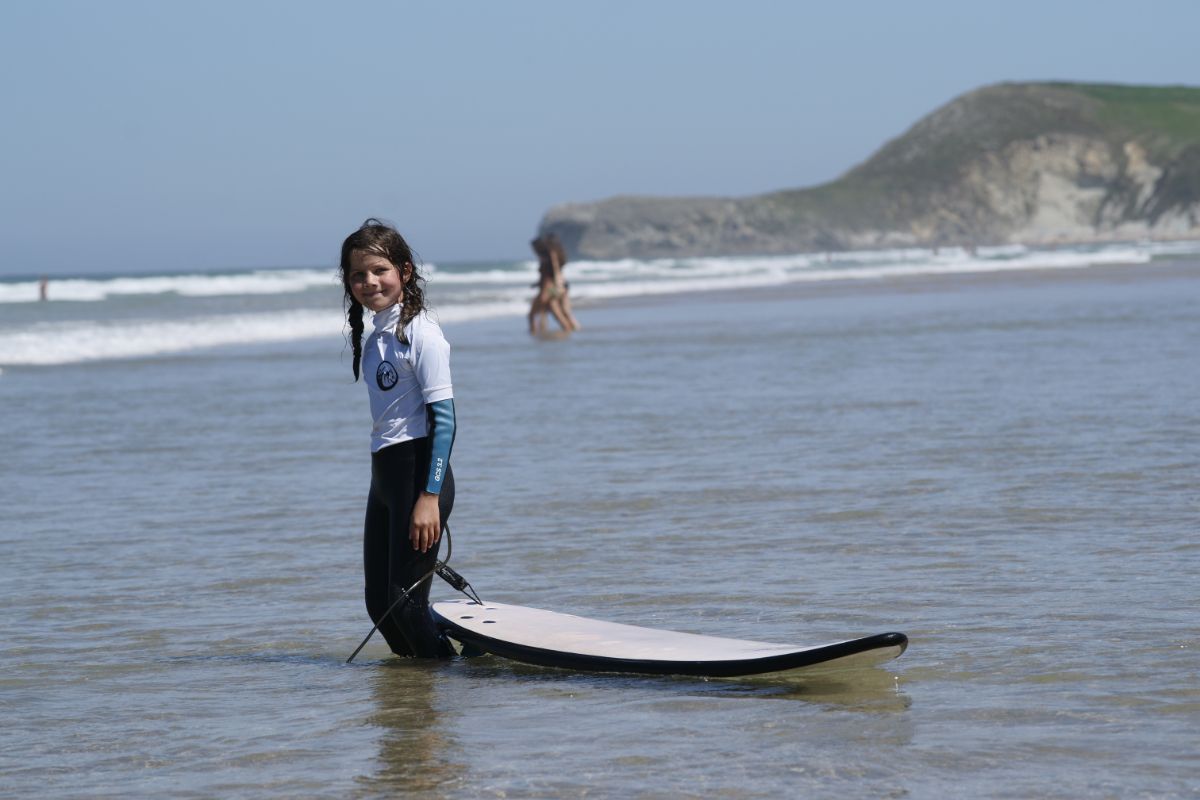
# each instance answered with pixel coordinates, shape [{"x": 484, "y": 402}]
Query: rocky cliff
[{"x": 1034, "y": 163}]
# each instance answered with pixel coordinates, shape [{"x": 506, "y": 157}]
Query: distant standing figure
[
  {"x": 558, "y": 257},
  {"x": 43, "y": 286},
  {"x": 551, "y": 290}
]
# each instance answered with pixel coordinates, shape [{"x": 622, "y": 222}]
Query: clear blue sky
[{"x": 205, "y": 135}]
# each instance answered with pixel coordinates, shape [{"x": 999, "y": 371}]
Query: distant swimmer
[
  {"x": 405, "y": 362},
  {"x": 43, "y": 286}
]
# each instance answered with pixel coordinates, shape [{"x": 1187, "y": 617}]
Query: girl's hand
[{"x": 426, "y": 528}]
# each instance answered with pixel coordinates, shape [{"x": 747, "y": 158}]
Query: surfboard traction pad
[{"x": 552, "y": 639}]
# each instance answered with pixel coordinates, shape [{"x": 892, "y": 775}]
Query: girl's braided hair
[{"x": 381, "y": 239}]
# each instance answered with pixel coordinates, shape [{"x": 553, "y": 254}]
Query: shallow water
[{"x": 1005, "y": 467}]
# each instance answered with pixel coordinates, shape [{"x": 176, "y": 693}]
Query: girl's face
[{"x": 375, "y": 282}]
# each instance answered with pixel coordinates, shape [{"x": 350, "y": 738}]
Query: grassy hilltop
[{"x": 1017, "y": 162}]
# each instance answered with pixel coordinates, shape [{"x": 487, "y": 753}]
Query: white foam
[
  {"x": 689, "y": 275},
  {"x": 91, "y": 341},
  {"x": 46, "y": 344},
  {"x": 522, "y": 273},
  {"x": 461, "y": 295},
  {"x": 92, "y": 290},
  {"x": 19, "y": 292}
]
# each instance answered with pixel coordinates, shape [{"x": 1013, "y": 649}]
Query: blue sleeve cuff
[{"x": 441, "y": 440}]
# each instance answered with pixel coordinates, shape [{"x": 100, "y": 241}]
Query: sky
[{"x": 220, "y": 134}]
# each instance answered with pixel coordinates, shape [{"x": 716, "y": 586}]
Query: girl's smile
[{"x": 375, "y": 282}]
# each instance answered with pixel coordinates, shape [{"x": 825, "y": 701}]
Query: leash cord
[{"x": 442, "y": 571}]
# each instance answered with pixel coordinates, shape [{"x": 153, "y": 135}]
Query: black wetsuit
[{"x": 398, "y": 475}]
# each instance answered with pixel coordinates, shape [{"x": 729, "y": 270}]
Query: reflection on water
[
  {"x": 414, "y": 743},
  {"x": 533, "y": 731},
  {"x": 863, "y": 689},
  {"x": 868, "y": 689}
]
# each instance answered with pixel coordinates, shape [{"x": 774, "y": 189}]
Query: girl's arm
[
  {"x": 441, "y": 440},
  {"x": 426, "y": 528},
  {"x": 431, "y": 361}
]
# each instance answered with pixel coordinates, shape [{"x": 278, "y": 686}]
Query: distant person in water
[
  {"x": 405, "y": 362},
  {"x": 552, "y": 288},
  {"x": 558, "y": 255},
  {"x": 43, "y": 288}
]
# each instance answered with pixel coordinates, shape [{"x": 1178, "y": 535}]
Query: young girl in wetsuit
[{"x": 405, "y": 363}]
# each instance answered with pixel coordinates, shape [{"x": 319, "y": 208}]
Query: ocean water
[{"x": 996, "y": 453}]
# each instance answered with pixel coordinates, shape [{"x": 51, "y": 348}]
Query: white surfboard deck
[{"x": 553, "y": 639}]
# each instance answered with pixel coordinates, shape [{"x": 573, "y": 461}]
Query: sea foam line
[
  {"x": 90, "y": 340},
  {"x": 43, "y": 344},
  {"x": 518, "y": 275},
  {"x": 91, "y": 290}
]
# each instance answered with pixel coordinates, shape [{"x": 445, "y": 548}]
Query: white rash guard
[{"x": 402, "y": 378}]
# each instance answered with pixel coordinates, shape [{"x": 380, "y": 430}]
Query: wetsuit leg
[
  {"x": 416, "y": 620},
  {"x": 398, "y": 475},
  {"x": 376, "y": 562}
]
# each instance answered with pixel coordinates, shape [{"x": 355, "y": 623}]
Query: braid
[
  {"x": 414, "y": 303},
  {"x": 354, "y": 314}
]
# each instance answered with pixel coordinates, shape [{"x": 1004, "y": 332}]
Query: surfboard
[{"x": 553, "y": 639}]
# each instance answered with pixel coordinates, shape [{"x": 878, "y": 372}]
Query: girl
[{"x": 406, "y": 364}]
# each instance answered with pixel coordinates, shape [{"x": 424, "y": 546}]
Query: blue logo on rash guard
[{"x": 386, "y": 376}]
